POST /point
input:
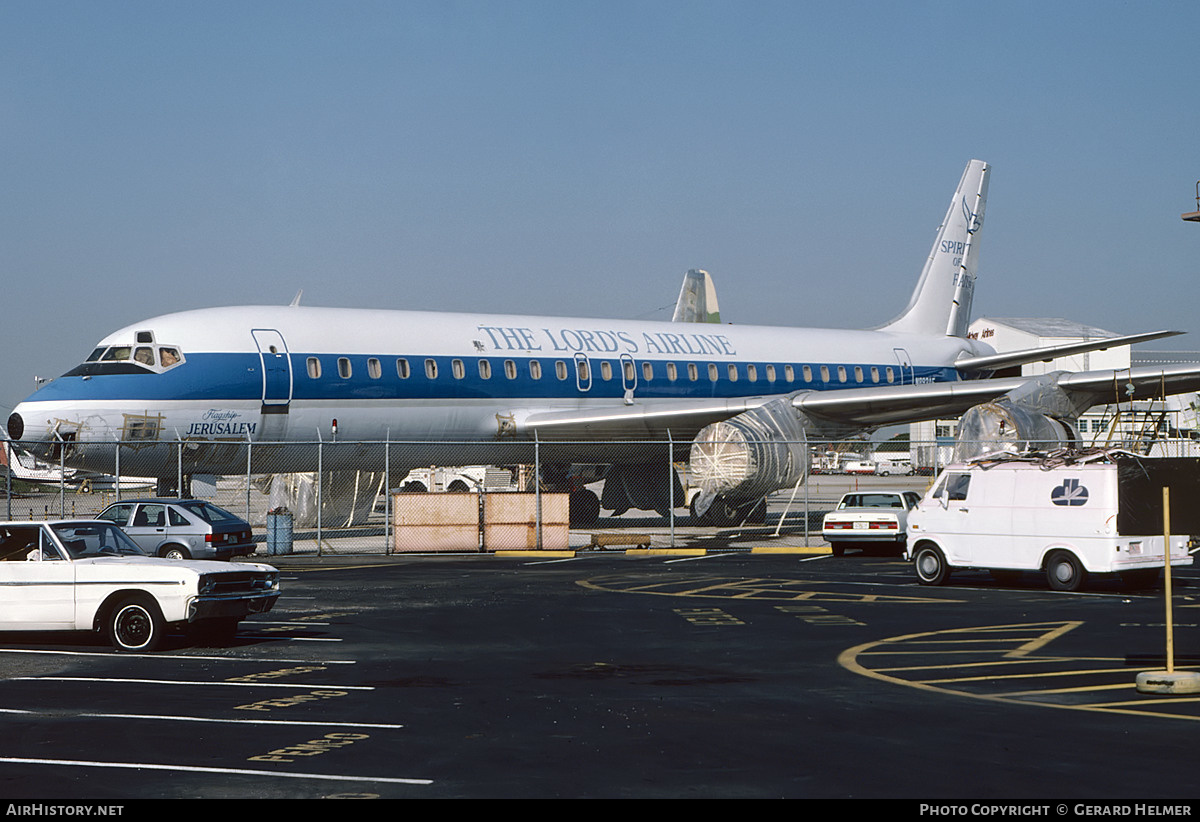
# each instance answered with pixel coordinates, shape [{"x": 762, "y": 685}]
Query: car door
[
  {"x": 148, "y": 527},
  {"x": 37, "y": 583}
]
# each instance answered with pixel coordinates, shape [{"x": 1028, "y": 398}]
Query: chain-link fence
[{"x": 386, "y": 497}]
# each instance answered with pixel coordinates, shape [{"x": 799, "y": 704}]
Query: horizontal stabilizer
[{"x": 995, "y": 362}]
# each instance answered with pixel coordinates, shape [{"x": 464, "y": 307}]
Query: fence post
[
  {"x": 537, "y": 486},
  {"x": 387, "y": 493},
  {"x": 671, "y": 483},
  {"x": 320, "y": 453}
]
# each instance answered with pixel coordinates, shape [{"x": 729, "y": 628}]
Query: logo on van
[{"x": 1069, "y": 493}]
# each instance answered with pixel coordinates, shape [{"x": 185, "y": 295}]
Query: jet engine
[
  {"x": 1039, "y": 416},
  {"x": 739, "y": 461}
]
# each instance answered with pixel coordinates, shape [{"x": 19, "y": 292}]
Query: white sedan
[
  {"x": 87, "y": 575},
  {"x": 865, "y": 518}
]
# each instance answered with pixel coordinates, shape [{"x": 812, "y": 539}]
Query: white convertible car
[{"x": 87, "y": 575}]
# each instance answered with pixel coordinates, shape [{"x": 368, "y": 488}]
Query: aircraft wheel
[
  {"x": 135, "y": 624},
  {"x": 1064, "y": 572},
  {"x": 930, "y": 565}
]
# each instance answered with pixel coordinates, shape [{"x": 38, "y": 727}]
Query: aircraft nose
[{"x": 16, "y": 426}]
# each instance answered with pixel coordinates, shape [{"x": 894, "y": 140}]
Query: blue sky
[{"x": 577, "y": 157}]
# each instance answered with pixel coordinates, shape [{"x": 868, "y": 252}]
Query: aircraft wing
[
  {"x": 681, "y": 420},
  {"x": 888, "y": 405},
  {"x": 852, "y": 407},
  {"x": 995, "y": 362}
]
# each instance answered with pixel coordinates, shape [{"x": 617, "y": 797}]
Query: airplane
[{"x": 185, "y": 391}]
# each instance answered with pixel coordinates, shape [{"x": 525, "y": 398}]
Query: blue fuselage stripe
[{"x": 238, "y": 377}]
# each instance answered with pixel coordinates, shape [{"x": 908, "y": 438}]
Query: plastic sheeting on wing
[
  {"x": 748, "y": 456},
  {"x": 1005, "y": 426}
]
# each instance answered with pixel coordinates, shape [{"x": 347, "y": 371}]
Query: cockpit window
[{"x": 128, "y": 359}]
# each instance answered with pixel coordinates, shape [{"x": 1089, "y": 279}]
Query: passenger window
[
  {"x": 344, "y": 367},
  {"x": 374, "y": 369},
  {"x": 605, "y": 370},
  {"x": 841, "y": 373},
  {"x": 890, "y": 376},
  {"x": 402, "y": 369},
  {"x": 770, "y": 373},
  {"x": 752, "y": 373},
  {"x": 535, "y": 369},
  {"x": 733, "y": 372},
  {"x": 176, "y": 519},
  {"x": 431, "y": 369},
  {"x": 858, "y": 374},
  {"x": 510, "y": 369},
  {"x": 874, "y": 374},
  {"x": 713, "y": 374},
  {"x": 672, "y": 372},
  {"x": 458, "y": 369},
  {"x": 560, "y": 369},
  {"x": 314, "y": 368},
  {"x": 807, "y": 373},
  {"x": 647, "y": 371},
  {"x": 824, "y": 373},
  {"x": 693, "y": 372},
  {"x": 628, "y": 372},
  {"x": 485, "y": 369},
  {"x": 149, "y": 516}
]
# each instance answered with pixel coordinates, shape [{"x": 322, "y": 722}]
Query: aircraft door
[
  {"x": 906, "y": 366},
  {"x": 629, "y": 379},
  {"x": 583, "y": 373},
  {"x": 276, "y": 382}
]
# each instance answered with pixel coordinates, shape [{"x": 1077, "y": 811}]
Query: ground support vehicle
[
  {"x": 869, "y": 518},
  {"x": 1067, "y": 516},
  {"x": 88, "y": 575},
  {"x": 182, "y": 528}
]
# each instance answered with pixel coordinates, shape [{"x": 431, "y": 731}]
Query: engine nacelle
[
  {"x": 1037, "y": 416},
  {"x": 746, "y": 457}
]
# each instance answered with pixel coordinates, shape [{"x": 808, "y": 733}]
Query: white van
[{"x": 1068, "y": 517}]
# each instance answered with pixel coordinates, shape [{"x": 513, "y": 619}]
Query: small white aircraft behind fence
[{"x": 483, "y": 388}]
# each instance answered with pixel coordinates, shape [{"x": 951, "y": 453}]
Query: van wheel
[
  {"x": 930, "y": 564},
  {"x": 135, "y": 624},
  {"x": 1064, "y": 572}
]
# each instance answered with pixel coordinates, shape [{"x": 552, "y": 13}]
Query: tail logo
[{"x": 974, "y": 221}]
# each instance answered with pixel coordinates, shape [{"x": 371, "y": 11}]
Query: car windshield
[
  {"x": 208, "y": 512},
  {"x": 95, "y": 539}
]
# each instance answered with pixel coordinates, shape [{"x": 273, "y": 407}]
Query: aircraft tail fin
[
  {"x": 697, "y": 301},
  {"x": 941, "y": 303}
]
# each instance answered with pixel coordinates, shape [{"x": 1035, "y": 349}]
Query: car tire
[
  {"x": 838, "y": 548},
  {"x": 135, "y": 624},
  {"x": 1064, "y": 572},
  {"x": 174, "y": 552},
  {"x": 930, "y": 565}
]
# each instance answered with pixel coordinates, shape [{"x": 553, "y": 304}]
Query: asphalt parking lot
[{"x": 613, "y": 674}]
